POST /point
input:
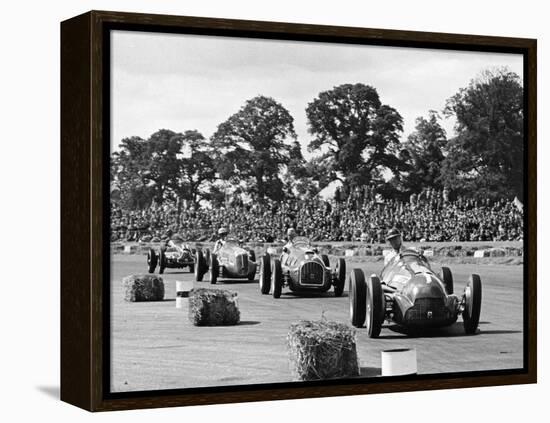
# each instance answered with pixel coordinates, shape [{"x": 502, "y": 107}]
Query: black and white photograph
[{"x": 290, "y": 211}]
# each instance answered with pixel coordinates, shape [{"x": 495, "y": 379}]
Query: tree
[
  {"x": 485, "y": 159},
  {"x": 358, "y": 134},
  {"x": 255, "y": 145},
  {"x": 424, "y": 149},
  {"x": 157, "y": 169}
]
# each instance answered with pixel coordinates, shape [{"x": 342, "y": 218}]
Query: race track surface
[{"x": 154, "y": 346}]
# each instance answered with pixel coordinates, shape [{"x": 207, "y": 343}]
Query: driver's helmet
[
  {"x": 392, "y": 233},
  {"x": 222, "y": 231}
]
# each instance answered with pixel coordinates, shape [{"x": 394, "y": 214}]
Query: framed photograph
[{"x": 256, "y": 211}]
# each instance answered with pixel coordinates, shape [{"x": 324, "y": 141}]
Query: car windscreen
[{"x": 301, "y": 241}]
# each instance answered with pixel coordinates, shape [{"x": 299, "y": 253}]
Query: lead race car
[
  {"x": 410, "y": 294},
  {"x": 230, "y": 261},
  {"x": 174, "y": 254},
  {"x": 302, "y": 269}
]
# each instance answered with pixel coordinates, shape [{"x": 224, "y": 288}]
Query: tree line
[{"x": 355, "y": 139}]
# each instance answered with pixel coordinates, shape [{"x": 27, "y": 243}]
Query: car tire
[
  {"x": 200, "y": 265},
  {"x": 276, "y": 278},
  {"x": 357, "y": 297},
  {"x": 265, "y": 274},
  {"x": 162, "y": 261},
  {"x": 252, "y": 255},
  {"x": 325, "y": 260},
  {"x": 447, "y": 277},
  {"x": 191, "y": 268},
  {"x": 472, "y": 304},
  {"x": 214, "y": 269},
  {"x": 151, "y": 260},
  {"x": 375, "y": 307},
  {"x": 340, "y": 277}
]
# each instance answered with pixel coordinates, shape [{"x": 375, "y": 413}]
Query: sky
[{"x": 186, "y": 82}]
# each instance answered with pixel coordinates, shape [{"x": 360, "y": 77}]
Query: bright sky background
[{"x": 183, "y": 82}]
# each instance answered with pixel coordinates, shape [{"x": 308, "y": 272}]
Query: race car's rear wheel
[
  {"x": 276, "y": 278},
  {"x": 200, "y": 266},
  {"x": 265, "y": 274},
  {"x": 325, "y": 260},
  {"x": 472, "y": 304},
  {"x": 375, "y": 307},
  {"x": 214, "y": 269},
  {"x": 340, "y": 277},
  {"x": 151, "y": 260},
  {"x": 357, "y": 297},
  {"x": 162, "y": 261},
  {"x": 447, "y": 277}
]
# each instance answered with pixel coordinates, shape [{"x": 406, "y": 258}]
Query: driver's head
[
  {"x": 291, "y": 234},
  {"x": 394, "y": 238},
  {"x": 222, "y": 232}
]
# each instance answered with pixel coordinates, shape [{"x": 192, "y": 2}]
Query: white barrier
[
  {"x": 349, "y": 253},
  {"x": 429, "y": 253},
  {"x": 399, "y": 362},
  {"x": 479, "y": 253},
  {"x": 182, "y": 293}
]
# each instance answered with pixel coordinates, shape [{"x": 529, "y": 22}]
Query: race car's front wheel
[
  {"x": 162, "y": 261},
  {"x": 151, "y": 260},
  {"x": 325, "y": 260},
  {"x": 200, "y": 266},
  {"x": 214, "y": 269},
  {"x": 357, "y": 297},
  {"x": 447, "y": 277},
  {"x": 472, "y": 304},
  {"x": 375, "y": 307},
  {"x": 265, "y": 274},
  {"x": 276, "y": 278},
  {"x": 340, "y": 277}
]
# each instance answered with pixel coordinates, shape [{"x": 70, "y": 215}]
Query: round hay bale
[
  {"x": 213, "y": 307},
  {"x": 143, "y": 288},
  {"x": 322, "y": 350}
]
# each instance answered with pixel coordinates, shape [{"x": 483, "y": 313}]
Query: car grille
[
  {"x": 311, "y": 273},
  {"x": 241, "y": 262},
  {"x": 426, "y": 309}
]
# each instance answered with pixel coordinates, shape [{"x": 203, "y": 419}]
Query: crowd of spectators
[{"x": 360, "y": 215}]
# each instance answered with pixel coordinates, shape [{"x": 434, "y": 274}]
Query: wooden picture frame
[{"x": 85, "y": 113}]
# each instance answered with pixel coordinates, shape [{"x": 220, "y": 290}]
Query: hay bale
[
  {"x": 322, "y": 350},
  {"x": 213, "y": 307},
  {"x": 143, "y": 288}
]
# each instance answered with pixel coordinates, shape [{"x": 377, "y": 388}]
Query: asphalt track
[{"x": 154, "y": 346}]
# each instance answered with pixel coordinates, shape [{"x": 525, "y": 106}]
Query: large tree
[
  {"x": 255, "y": 145},
  {"x": 486, "y": 157},
  {"x": 358, "y": 135},
  {"x": 425, "y": 150}
]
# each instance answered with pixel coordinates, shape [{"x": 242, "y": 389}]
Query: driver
[
  {"x": 222, "y": 233},
  {"x": 395, "y": 239},
  {"x": 290, "y": 235}
]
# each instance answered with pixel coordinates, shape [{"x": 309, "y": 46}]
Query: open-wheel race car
[
  {"x": 231, "y": 261},
  {"x": 408, "y": 293},
  {"x": 174, "y": 254},
  {"x": 302, "y": 269}
]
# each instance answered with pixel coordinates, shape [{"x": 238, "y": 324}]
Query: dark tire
[
  {"x": 325, "y": 260},
  {"x": 252, "y": 255},
  {"x": 162, "y": 261},
  {"x": 191, "y": 268},
  {"x": 200, "y": 266},
  {"x": 276, "y": 278},
  {"x": 214, "y": 269},
  {"x": 207, "y": 257},
  {"x": 447, "y": 277},
  {"x": 375, "y": 307},
  {"x": 472, "y": 304},
  {"x": 357, "y": 297},
  {"x": 340, "y": 277},
  {"x": 265, "y": 274},
  {"x": 151, "y": 260}
]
